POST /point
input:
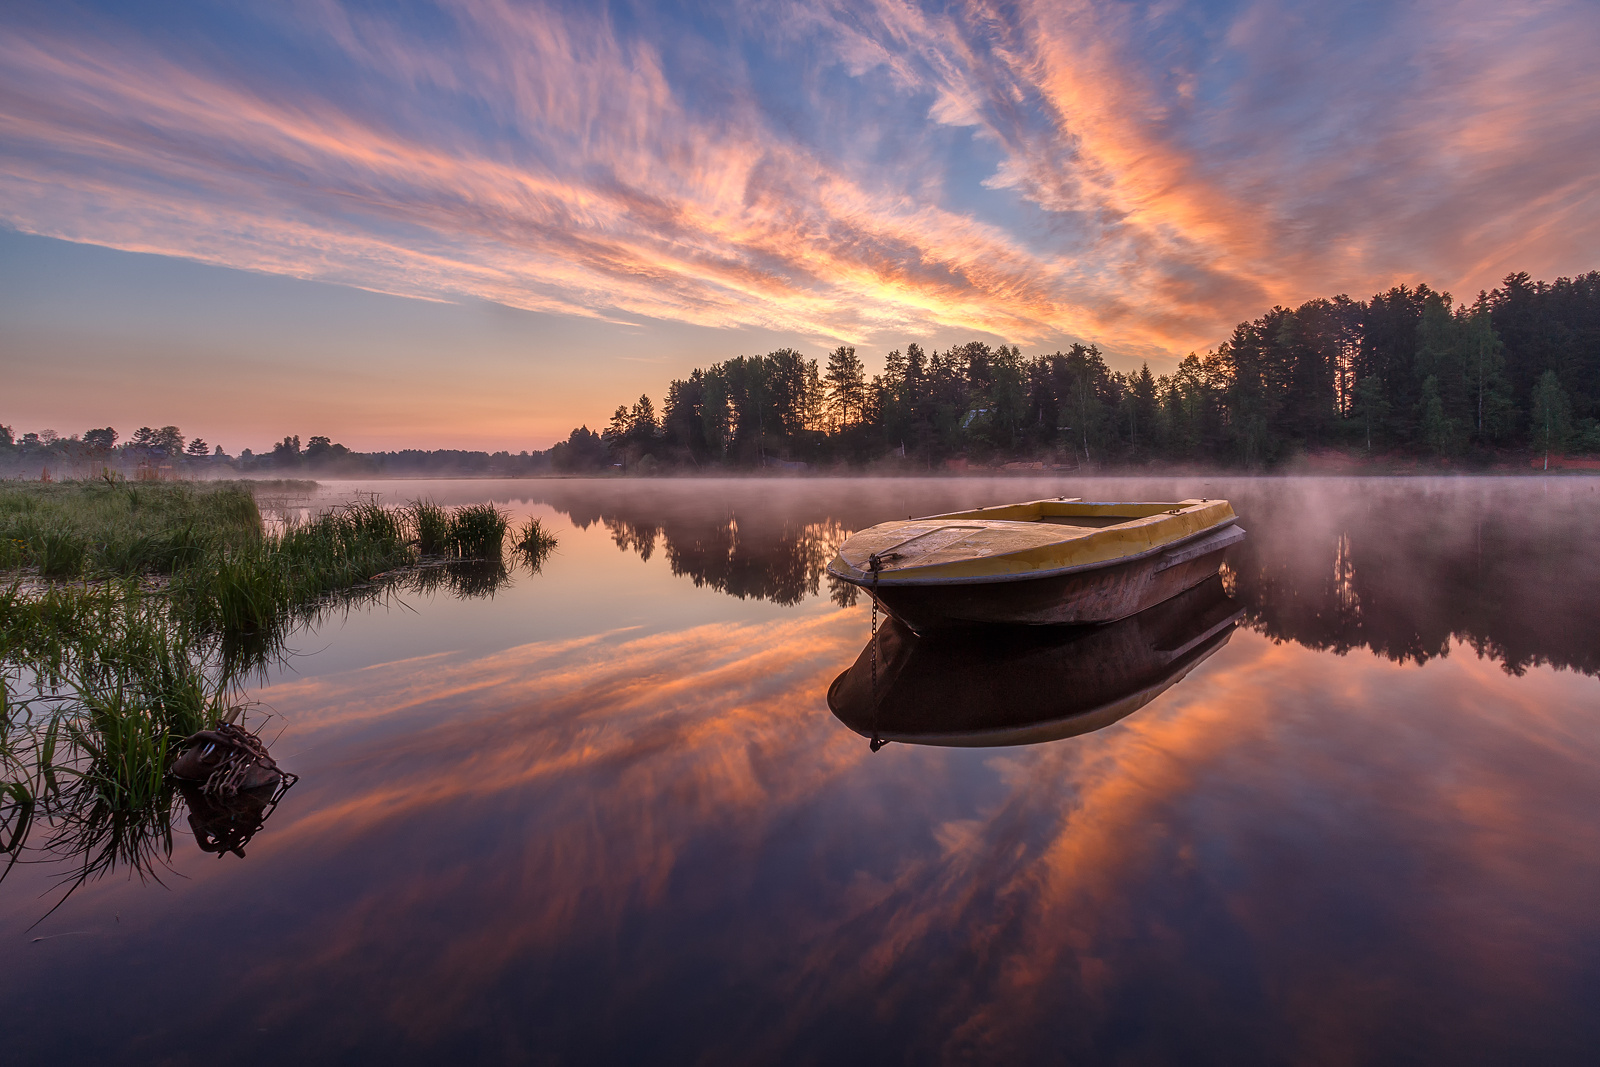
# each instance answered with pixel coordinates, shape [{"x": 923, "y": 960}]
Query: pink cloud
[{"x": 557, "y": 163}]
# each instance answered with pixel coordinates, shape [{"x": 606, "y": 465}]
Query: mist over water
[{"x": 602, "y": 813}]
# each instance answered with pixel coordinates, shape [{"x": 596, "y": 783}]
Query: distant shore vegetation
[{"x": 1409, "y": 375}]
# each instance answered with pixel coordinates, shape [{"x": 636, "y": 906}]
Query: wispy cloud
[{"x": 1138, "y": 175}]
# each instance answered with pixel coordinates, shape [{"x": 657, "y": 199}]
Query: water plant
[
  {"x": 147, "y": 608},
  {"x": 534, "y": 543},
  {"x": 477, "y": 531},
  {"x": 431, "y": 525}
]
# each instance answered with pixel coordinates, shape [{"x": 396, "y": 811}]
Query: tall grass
[
  {"x": 431, "y": 525},
  {"x": 159, "y": 601},
  {"x": 67, "y": 529},
  {"x": 477, "y": 531}
]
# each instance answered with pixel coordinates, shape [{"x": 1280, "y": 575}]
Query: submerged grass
[{"x": 134, "y": 614}]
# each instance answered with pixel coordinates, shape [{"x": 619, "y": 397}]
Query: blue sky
[{"x": 480, "y": 223}]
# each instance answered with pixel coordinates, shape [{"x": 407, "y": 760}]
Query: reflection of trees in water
[
  {"x": 783, "y": 562},
  {"x": 1407, "y": 568},
  {"x": 1399, "y": 566}
]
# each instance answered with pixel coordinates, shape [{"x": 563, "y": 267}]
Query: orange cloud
[{"x": 1147, "y": 184}]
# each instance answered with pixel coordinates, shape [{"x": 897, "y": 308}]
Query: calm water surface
[{"x": 605, "y": 814}]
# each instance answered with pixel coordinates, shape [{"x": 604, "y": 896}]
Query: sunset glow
[{"x": 1138, "y": 176}]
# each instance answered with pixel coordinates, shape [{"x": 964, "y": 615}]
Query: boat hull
[{"x": 1092, "y": 595}]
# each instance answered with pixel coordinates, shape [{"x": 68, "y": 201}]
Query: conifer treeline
[{"x": 1407, "y": 371}]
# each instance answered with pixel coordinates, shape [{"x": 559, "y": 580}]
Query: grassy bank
[
  {"x": 132, "y": 614},
  {"x": 217, "y": 567},
  {"x": 68, "y": 529}
]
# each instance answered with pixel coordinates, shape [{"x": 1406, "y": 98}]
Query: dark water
[{"x": 605, "y": 814}]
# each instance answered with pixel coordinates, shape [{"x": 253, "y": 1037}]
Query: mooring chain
[{"x": 875, "y": 565}]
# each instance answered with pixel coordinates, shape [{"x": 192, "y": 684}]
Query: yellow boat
[{"x": 1044, "y": 562}]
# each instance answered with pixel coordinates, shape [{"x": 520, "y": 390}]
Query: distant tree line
[
  {"x": 1406, "y": 372},
  {"x": 166, "y": 452}
]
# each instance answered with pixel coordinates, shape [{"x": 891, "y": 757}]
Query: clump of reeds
[
  {"x": 262, "y": 586},
  {"x": 99, "y": 679},
  {"x": 534, "y": 543},
  {"x": 477, "y": 531},
  {"x": 58, "y": 552},
  {"x": 431, "y": 525}
]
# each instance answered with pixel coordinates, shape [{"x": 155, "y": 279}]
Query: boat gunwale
[{"x": 866, "y": 581}]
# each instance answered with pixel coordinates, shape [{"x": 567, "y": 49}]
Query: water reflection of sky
[{"x": 607, "y": 816}]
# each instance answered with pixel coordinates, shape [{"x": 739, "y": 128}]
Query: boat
[
  {"x": 1025, "y": 685},
  {"x": 1064, "y": 561}
]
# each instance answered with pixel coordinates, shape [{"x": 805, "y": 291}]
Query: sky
[{"x": 480, "y": 223}]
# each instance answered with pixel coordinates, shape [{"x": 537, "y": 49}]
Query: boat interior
[{"x": 1072, "y": 511}]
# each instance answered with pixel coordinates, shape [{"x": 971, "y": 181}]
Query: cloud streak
[{"x": 1142, "y": 176}]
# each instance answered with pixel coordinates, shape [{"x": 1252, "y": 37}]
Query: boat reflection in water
[{"x": 1024, "y": 685}]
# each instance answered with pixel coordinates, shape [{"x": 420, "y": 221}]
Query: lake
[{"x": 603, "y": 813}]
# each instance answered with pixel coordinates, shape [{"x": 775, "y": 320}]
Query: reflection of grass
[
  {"x": 476, "y": 578},
  {"x": 104, "y": 672},
  {"x": 99, "y": 836}
]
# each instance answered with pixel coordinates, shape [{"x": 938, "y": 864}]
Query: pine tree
[{"x": 846, "y": 378}]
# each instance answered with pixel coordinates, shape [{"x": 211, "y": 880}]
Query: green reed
[
  {"x": 264, "y": 585},
  {"x": 534, "y": 543},
  {"x": 68, "y": 529},
  {"x": 430, "y": 524},
  {"x": 477, "y": 531},
  {"x": 134, "y": 614}
]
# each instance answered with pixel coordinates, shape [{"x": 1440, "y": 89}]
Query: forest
[
  {"x": 165, "y": 453},
  {"x": 1408, "y": 375}
]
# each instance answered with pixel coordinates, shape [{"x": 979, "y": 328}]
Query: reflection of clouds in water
[
  {"x": 631, "y": 816},
  {"x": 674, "y": 735}
]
